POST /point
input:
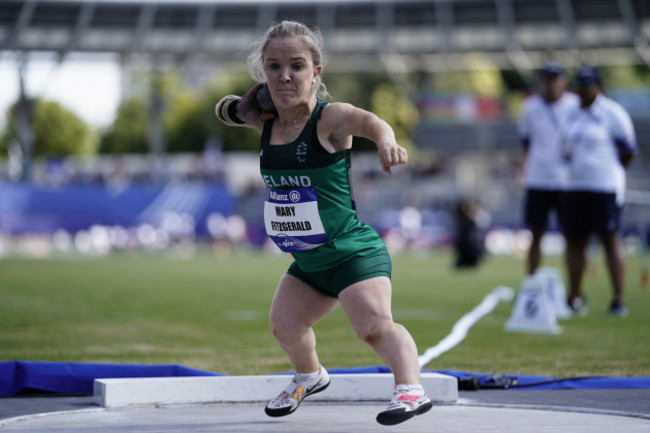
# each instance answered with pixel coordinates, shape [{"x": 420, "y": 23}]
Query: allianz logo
[
  {"x": 294, "y": 196},
  {"x": 275, "y": 196}
]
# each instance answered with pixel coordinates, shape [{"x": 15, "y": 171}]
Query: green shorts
[{"x": 331, "y": 282}]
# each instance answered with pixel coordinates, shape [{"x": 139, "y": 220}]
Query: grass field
[{"x": 210, "y": 313}]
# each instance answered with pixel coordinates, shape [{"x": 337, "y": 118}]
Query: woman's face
[{"x": 290, "y": 71}]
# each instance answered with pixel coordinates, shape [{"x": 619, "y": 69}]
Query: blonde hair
[{"x": 312, "y": 38}]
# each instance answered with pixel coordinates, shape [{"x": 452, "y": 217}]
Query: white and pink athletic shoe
[
  {"x": 299, "y": 388},
  {"x": 407, "y": 402}
]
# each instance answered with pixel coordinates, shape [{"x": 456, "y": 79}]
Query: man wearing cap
[
  {"x": 542, "y": 118},
  {"x": 600, "y": 142}
]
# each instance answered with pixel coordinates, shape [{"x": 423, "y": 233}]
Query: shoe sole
[
  {"x": 395, "y": 417},
  {"x": 287, "y": 411}
]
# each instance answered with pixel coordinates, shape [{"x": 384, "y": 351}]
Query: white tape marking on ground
[{"x": 459, "y": 331}]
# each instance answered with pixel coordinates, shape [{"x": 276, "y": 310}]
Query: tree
[
  {"x": 5, "y": 138},
  {"x": 128, "y": 134},
  {"x": 57, "y": 131},
  {"x": 188, "y": 121},
  {"x": 482, "y": 78},
  {"x": 185, "y": 130},
  {"x": 236, "y": 82},
  {"x": 399, "y": 112}
]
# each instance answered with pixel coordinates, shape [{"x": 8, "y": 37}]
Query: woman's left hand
[{"x": 390, "y": 155}]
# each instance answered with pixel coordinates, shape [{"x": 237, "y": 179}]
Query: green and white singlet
[{"x": 309, "y": 209}]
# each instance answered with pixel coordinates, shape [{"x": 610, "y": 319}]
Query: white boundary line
[
  {"x": 459, "y": 331},
  {"x": 551, "y": 408},
  {"x": 27, "y": 417}
]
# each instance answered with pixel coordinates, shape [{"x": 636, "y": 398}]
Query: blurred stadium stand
[
  {"x": 494, "y": 135},
  {"x": 30, "y": 209}
]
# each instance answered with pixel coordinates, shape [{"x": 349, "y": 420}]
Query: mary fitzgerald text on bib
[{"x": 292, "y": 220}]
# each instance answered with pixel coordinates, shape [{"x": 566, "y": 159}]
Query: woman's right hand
[{"x": 247, "y": 108}]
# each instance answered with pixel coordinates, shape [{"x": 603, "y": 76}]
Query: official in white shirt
[
  {"x": 600, "y": 142},
  {"x": 541, "y": 120}
]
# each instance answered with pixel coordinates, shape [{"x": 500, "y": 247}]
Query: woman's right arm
[{"x": 243, "y": 111}]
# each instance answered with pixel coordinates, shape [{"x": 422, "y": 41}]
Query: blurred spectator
[
  {"x": 471, "y": 222},
  {"x": 600, "y": 142},
  {"x": 542, "y": 118}
]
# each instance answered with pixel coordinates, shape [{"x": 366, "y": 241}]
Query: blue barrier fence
[{"x": 26, "y": 208}]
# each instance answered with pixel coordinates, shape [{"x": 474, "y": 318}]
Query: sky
[{"x": 88, "y": 85}]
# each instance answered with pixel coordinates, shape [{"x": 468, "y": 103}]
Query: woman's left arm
[{"x": 348, "y": 120}]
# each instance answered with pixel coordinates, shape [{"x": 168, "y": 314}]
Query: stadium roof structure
[{"x": 360, "y": 34}]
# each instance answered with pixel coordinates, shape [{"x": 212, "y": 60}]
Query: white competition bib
[{"x": 292, "y": 220}]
